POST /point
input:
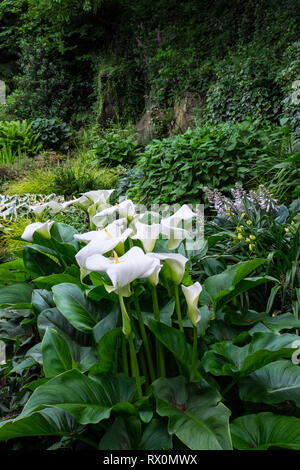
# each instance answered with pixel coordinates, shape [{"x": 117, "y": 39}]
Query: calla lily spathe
[
  {"x": 125, "y": 209},
  {"x": 170, "y": 229},
  {"x": 101, "y": 242},
  {"x": 113, "y": 230},
  {"x": 125, "y": 269},
  {"x": 176, "y": 263},
  {"x": 95, "y": 197},
  {"x": 191, "y": 294},
  {"x": 147, "y": 234},
  {"x": 184, "y": 213},
  {"x": 41, "y": 227}
]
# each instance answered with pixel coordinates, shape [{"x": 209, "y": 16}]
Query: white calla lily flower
[
  {"x": 147, "y": 234},
  {"x": 174, "y": 235},
  {"x": 123, "y": 270},
  {"x": 183, "y": 213},
  {"x": 94, "y": 197},
  {"x": 176, "y": 263},
  {"x": 113, "y": 230},
  {"x": 99, "y": 245},
  {"x": 41, "y": 227},
  {"x": 191, "y": 294},
  {"x": 125, "y": 209}
]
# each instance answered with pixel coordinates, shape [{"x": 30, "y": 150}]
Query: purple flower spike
[
  {"x": 167, "y": 79},
  {"x": 141, "y": 26},
  {"x": 158, "y": 38},
  {"x": 174, "y": 80},
  {"x": 172, "y": 123},
  {"x": 139, "y": 43}
]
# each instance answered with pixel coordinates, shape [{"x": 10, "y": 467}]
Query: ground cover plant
[{"x": 100, "y": 314}]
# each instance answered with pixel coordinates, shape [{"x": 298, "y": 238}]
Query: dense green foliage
[
  {"x": 116, "y": 147},
  {"x": 176, "y": 169},
  {"x": 53, "y": 133},
  {"x": 17, "y": 139},
  {"x": 239, "y": 59}
]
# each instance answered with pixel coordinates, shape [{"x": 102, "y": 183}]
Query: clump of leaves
[
  {"x": 116, "y": 146},
  {"x": 177, "y": 169},
  {"x": 17, "y": 139},
  {"x": 40, "y": 181},
  {"x": 53, "y": 133}
]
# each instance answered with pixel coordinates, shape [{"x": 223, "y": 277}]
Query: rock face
[
  {"x": 110, "y": 104},
  {"x": 2, "y": 92},
  {"x": 185, "y": 110},
  {"x": 145, "y": 128}
]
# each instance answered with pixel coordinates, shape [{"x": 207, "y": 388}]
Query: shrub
[
  {"x": 17, "y": 139},
  {"x": 39, "y": 181},
  {"x": 116, "y": 146},
  {"x": 176, "y": 169},
  {"x": 74, "y": 179},
  {"x": 54, "y": 134}
]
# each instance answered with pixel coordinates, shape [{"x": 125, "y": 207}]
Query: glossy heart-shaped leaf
[{"x": 264, "y": 430}]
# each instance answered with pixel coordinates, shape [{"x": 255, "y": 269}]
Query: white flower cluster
[{"x": 104, "y": 249}]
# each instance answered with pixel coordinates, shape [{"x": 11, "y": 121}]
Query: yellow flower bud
[
  {"x": 243, "y": 215},
  {"x": 240, "y": 236},
  {"x": 292, "y": 223},
  {"x": 248, "y": 240},
  {"x": 287, "y": 229},
  {"x": 251, "y": 246},
  {"x": 252, "y": 237},
  {"x": 249, "y": 222},
  {"x": 239, "y": 228}
]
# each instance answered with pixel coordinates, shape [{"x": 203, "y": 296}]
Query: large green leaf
[
  {"x": 107, "y": 351},
  {"x": 41, "y": 300},
  {"x": 222, "y": 287},
  {"x": 226, "y": 358},
  {"x": 78, "y": 342},
  {"x": 175, "y": 341},
  {"x": 88, "y": 400},
  {"x": 19, "y": 293},
  {"x": 56, "y": 354},
  {"x": 77, "y": 309},
  {"x": 109, "y": 322},
  {"x": 39, "y": 264},
  {"x": 126, "y": 434},
  {"x": 195, "y": 413},
  {"x": 274, "y": 383},
  {"x": 46, "y": 282},
  {"x": 47, "y": 422},
  {"x": 62, "y": 241},
  {"x": 13, "y": 271},
  {"x": 286, "y": 321},
  {"x": 263, "y": 430}
]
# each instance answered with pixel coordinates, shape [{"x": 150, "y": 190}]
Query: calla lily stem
[
  {"x": 178, "y": 308},
  {"x": 194, "y": 356},
  {"x": 124, "y": 356},
  {"x": 134, "y": 365},
  {"x": 145, "y": 338},
  {"x": 159, "y": 348}
]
